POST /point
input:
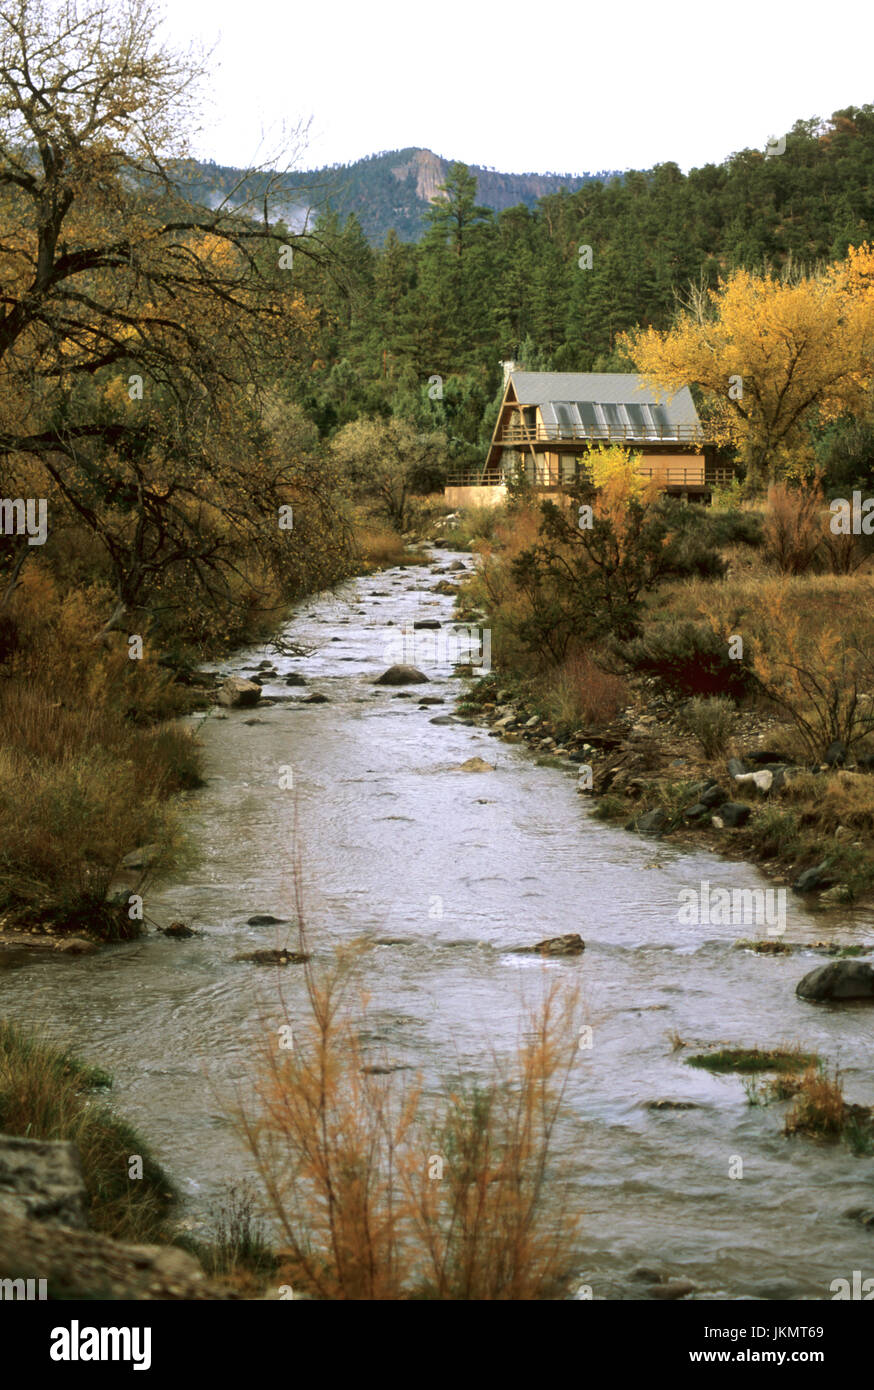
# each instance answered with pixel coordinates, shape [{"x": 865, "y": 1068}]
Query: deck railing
[
  {"x": 671, "y": 476},
  {"x": 514, "y": 435}
]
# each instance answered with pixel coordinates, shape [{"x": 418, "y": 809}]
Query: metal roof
[{"x": 619, "y": 388}]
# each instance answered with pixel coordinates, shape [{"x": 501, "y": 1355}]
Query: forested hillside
[
  {"x": 389, "y": 191},
  {"x": 482, "y": 286}
]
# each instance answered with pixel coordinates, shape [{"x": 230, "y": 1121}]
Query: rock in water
[
  {"x": 272, "y": 957},
  {"x": 570, "y": 945},
  {"x": 474, "y": 764},
  {"x": 840, "y": 979},
  {"x": 237, "y": 693},
  {"x": 401, "y": 675},
  {"x": 810, "y": 879}
]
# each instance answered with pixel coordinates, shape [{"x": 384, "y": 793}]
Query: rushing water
[{"x": 447, "y": 870}]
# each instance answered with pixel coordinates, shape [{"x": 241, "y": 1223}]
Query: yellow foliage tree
[{"x": 768, "y": 353}]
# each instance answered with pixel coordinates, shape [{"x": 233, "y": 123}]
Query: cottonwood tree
[
  {"x": 774, "y": 355},
  {"x": 137, "y": 328}
]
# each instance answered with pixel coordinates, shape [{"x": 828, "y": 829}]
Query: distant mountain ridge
[{"x": 388, "y": 190}]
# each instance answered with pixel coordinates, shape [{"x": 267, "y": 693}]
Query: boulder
[
  {"x": 840, "y": 979},
  {"x": 569, "y": 945},
  {"x": 427, "y": 622},
  {"x": 696, "y": 812},
  {"x": 762, "y": 780},
  {"x": 178, "y": 931},
  {"x": 713, "y": 796},
  {"x": 42, "y": 1180},
  {"x": 474, "y": 765},
  {"x": 294, "y": 679},
  {"x": 237, "y": 693},
  {"x": 265, "y": 919},
  {"x": 401, "y": 675},
  {"x": 813, "y": 878},
  {"x": 736, "y": 768},
  {"x": 651, "y": 822},
  {"x": 732, "y": 814},
  {"x": 316, "y": 699}
]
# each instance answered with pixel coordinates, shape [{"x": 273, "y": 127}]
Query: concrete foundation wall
[{"x": 491, "y": 496}]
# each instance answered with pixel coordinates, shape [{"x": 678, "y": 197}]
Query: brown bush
[
  {"x": 792, "y": 528},
  {"x": 381, "y": 1194}
]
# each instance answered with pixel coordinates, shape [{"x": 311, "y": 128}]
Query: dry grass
[
  {"x": 88, "y": 763},
  {"x": 381, "y": 1194},
  {"x": 580, "y": 694},
  {"x": 45, "y": 1093},
  {"x": 793, "y": 527},
  {"x": 818, "y": 1108}
]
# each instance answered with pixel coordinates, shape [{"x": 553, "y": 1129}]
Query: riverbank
[{"x": 641, "y": 772}]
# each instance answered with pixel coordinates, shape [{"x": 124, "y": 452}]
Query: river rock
[
  {"x": 650, "y": 823},
  {"x": 736, "y": 767},
  {"x": 237, "y": 693},
  {"x": 316, "y": 699},
  {"x": 474, "y": 765},
  {"x": 178, "y": 931},
  {"x": 274, "y": 957},
  {"x": 75, "y": 946},
  {"x": 569, "y": 945},
  {"x": 840, "y": 979},
  {"x": 457, "y": 565},
  {"x": 401, "y": 675},
  {"x": 427, "y": 622},
  {"x": 732, "y": 815},
  {"x": 42, "y": 1180},
  {"x": 762, "y": 780},
  {"x": 295, "y": 679},
  {"x": 713, "y": 795},
  {"x": 264, "y": 919},
  {"x": 442, "y": 719},
  {"x": 813, "y": 878},
  {"x": 762, "y": 756},
  {"x": 674, "y": 1288}
]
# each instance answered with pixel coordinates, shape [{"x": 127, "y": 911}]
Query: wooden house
[{"x": 550, "y": 421}]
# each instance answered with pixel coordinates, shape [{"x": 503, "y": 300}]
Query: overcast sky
[{"x": 569, "y": 87}]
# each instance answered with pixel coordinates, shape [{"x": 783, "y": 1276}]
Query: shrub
[
  {"x": 711, "y": 722},
  {"x": 688, "y": 658},
  {"x": 383, "y": 1196},
  {"x": 581, "y": 693},
  {"x": 793, "y": 526}
]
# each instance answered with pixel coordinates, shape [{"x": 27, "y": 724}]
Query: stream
[{"x": 449, "y": 870}]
